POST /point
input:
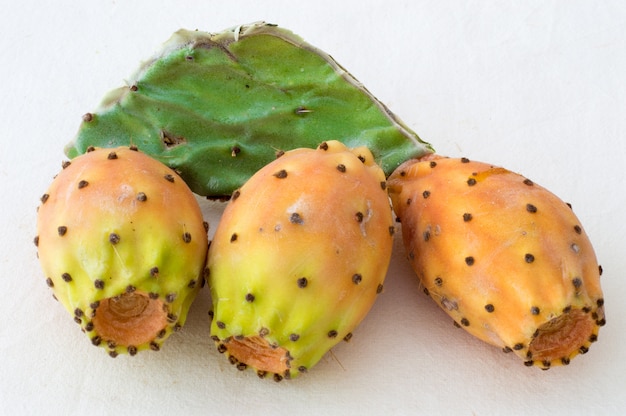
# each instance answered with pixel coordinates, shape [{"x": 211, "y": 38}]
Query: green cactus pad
[{"x": 217, "y": 108}]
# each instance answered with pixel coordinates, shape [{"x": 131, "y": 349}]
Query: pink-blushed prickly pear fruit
[
  {"x": 123, "y": 245},
  {"x": 504, "y": 257},
  {"x": 299, "y": 257}
]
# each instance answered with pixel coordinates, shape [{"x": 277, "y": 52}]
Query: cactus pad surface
[{"x": 217, "y": 107}]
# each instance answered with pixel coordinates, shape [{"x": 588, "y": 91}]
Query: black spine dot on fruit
[
  {"x": 577, "y": 282},
  {"x": 281, "y": 174},
  {"x": 296, "y": 218}
]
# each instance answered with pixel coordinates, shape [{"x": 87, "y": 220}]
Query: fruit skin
[
  {"x": 504, "y": 257},
  {"x": 123, "y": 245},
  {"x": 217, "y": 106},
  {"x": 299, "y": 257}
]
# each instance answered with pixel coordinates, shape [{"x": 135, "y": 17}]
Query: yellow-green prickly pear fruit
[
  {"x": 123, "y": 245},
  {"x": 298, "y": 258},
  {"x": 504, "y": 257}
]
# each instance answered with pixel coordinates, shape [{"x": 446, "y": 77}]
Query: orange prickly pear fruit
[
  {"x": 504, "y": 257},
  {"x": 299, "y": 257},
  {"x": 123, "y": 245}
]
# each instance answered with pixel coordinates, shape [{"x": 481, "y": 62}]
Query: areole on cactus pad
[{"x": 217, "y": 107}]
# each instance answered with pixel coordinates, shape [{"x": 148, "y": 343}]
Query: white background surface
[{"x": 536, "y": 86}]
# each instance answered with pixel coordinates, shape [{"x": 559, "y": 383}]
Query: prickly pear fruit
[
  {"x": 216, "y": 107},
  {"x": 504, "y": 257},
  {"x": 123, "y": 245},
  {"x": 299, "y": 257}
]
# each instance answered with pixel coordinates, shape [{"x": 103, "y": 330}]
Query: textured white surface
[{"x": 536, "y": 86}]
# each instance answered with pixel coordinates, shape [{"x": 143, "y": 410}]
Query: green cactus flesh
[
  {"x": 298, "y": 258},
  {"x": 122, "y": 244},
  {"x": 504, "y": 257},
  {"x": 217, "y": 107}
]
